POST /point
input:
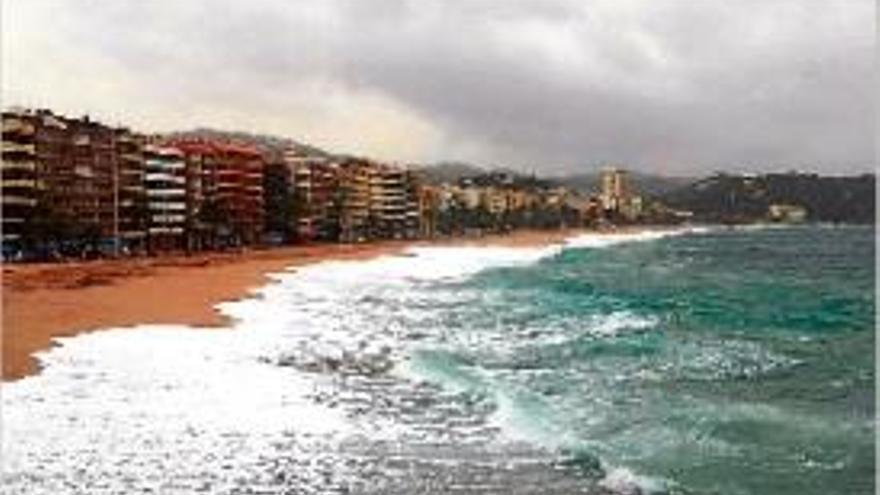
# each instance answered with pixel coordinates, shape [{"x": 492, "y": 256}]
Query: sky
[{"x": 674, "y": 87}]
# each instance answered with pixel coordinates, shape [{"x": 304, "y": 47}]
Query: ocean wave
[
  {"x": 624, "y": 481},
  {"x": 615, "y": 323},
  {"x": 607, "y": 239},
  {"x": 313, "y": 360},
  {"x": 714, "y": 360}
]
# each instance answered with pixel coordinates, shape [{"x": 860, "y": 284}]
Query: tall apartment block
[
  {"x": 315, "y": 181},
  {"x": 389, "y": 202},
  {"x": 413, "y": 217},
  {"x": 131, "y": 199},
  {"x": 202, "y": 216},
  {"x": 21, "y": 177},
  {"x": 224, "y": 185},
  {"x": 354, "y": 199},
  {"x": 165, "y": 183},
  {"x": 617, "y": 197},
  {"x": 430, "y": 200},
  {"x": 239, "y": 190},
  {"x": 615, "y": 188},
  {"x": 69, "y": 183}
]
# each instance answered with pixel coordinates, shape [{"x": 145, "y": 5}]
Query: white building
[{"x": 165, "y": 184}]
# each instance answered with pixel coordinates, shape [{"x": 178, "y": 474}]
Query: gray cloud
[{"x": 680, "y": 86}]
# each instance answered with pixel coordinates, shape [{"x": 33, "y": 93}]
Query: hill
[
  {"x": 746, "y": 198},
  {"x": 450, "y": 172},
  {"x": 271, "y": 145}
]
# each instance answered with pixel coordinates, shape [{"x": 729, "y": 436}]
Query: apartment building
[
  {"x": 615, "y": 188},
  {"x": 165, "y": 183},
  {"x": 202, "y": 212},
  {"x": 21, "y": 177},
  {"x": 315, "y": 186},
  {"x": 617, "y": 196},
  {"x": 469, "y": 197},
  {"x": 224, "y": 193},
  {"x": 131, "y": 216},
  {"x": 87, "y": 179},
  {"x": 519, "y": 200},
  {"x": 493, "y": 200},
  {"x": 70, "y": 185},
  {"x": 389, "y": 202},
  {"x": 239, "y": 188},
  {"x": 354, "y": 188},
  {"x": 430, "y": 200},
  {"x": 413, "y": 187}
]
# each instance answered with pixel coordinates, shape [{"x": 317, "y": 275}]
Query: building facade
[
  {"x": 224, "y": 191},
  {"x": 70, "y": 186},
  {"x": 165, "y": 183},
  {"x": 617, "y": 197},
  {"x": 22, "y": 180},
  {"x": 315, "y": 180},
  {"x": 389, "y": 202},
  {"x": 132, "y": 212},
  {"x": 354, "y": 181}
]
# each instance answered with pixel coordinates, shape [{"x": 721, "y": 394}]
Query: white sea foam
[
  {"x": 619, "y": 321},
  {"x": 608, "y": 239},
  {"x": 125, "y": 409},
  {"x": 625, "y": 482}
]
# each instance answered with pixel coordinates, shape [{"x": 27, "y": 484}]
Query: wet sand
[{"x": 44, "y": 301}]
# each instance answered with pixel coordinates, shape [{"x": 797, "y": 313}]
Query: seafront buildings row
[{"x": 74, "y": 185}]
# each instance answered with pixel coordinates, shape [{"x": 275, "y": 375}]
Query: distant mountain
[
  {"x": 744, "y": 198},
  {"x": 450, "y": 172},
  {"x": 641, "y": 183},
  {"x": 271, "y": 145}
]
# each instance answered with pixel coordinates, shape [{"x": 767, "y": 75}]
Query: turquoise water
[
  {"x": 684, "y": 362},
  {"x": 728, "y": 362}
]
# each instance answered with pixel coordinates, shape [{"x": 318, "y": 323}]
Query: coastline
[{"x": 45, "y": 301}]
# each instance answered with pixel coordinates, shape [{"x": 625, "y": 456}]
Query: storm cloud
[{"x": 674, "y": 86}]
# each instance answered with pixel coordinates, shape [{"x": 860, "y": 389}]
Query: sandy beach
[{"x": 44, "y": 301}]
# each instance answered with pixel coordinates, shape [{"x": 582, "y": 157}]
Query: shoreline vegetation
[{"x": 48, "y": 300}]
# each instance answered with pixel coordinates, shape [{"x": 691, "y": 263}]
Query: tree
[{"x": 215, "y": 216}]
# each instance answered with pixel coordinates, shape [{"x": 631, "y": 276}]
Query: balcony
[
  {"x": 25, "y": 165},
  {"x": 165, "y": 206},
  {"x": 84, "y": 171},
  {"x": 165, "y": 193},
  {"x": 131, "y": 157},
  {"x": 19, "y": 183},
  {"x": 163, "y": 165},
  {"x": 18, "y": 126},
  {"x": 164, "y": 177},
  {"x": 167, "y": 219},
  {"x": 165, "y": 230},
  {"x": 26, "y": 149},
  {"x": 11, "y": 199}
]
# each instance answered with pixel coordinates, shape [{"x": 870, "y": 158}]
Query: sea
[{"x": 695, "y": 360}]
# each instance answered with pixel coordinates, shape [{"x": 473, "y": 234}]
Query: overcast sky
[{"x": 669, "y": 86}]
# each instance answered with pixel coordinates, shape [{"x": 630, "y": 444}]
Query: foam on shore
[{"x": 168, "y": 409}]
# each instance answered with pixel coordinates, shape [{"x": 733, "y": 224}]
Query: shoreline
[{"x": 45, "y": 301}]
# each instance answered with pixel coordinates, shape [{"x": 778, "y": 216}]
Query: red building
[
  {"x": 240, "y": 189},
  {"x": 224, "y": 193}
]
